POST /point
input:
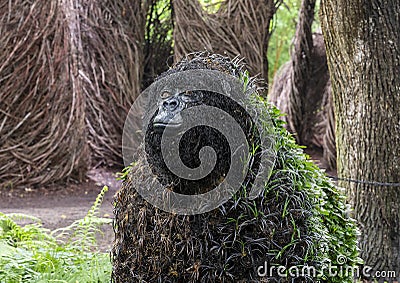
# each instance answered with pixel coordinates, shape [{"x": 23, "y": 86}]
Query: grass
[{"x": 32, "y": 253}]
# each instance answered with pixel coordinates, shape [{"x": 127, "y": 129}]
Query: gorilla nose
[{"x": 171, "y": 104}]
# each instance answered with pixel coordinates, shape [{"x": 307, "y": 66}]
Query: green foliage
[
  {"x": 32, "y": 253},
  {"x": 337, "y": 242},
  {"x": 211, "y": 6},
  {"x": 158, "y": 44},
  {"x": 283, "y": 30},
  {"x": 158, "y": 20},
  {"x": 121, "y": 176}
]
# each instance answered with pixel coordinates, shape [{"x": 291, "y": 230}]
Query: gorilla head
[{"x": 171, "y": 117}]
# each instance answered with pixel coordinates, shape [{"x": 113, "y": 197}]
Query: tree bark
[{"x": 362, "y": 40}]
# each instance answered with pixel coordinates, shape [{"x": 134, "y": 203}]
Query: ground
[{"x": 58, "y": 206}]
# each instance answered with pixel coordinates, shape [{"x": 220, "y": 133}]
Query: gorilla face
[
  {"x": 170, "y": 108},
  {"x": 169, "y": 120}
]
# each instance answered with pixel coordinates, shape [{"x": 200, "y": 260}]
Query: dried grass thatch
[
  {"x": 69, "y": 71},
  {"x": 237, "y": 28}
]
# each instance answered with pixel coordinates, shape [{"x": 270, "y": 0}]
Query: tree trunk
[
  {"x": 302, "y": 69},
  {"x": 362, "y": 40}
]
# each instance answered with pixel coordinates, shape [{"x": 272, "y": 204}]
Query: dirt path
[{"x": 60, "y": 206}]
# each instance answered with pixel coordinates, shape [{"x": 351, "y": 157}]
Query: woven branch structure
[
  {"x": 302, "y": 90},
  {"x": 113, "y": 60},
  {"x": 237, "y": 28},
  {"x": 69, "y": 71},
  {"x": 318, "y": 121}
]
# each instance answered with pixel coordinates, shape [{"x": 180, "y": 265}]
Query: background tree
[
  {"x": 233, "y": 28},
  {"x": 301, "y": 71},
  {"x": 301, "y": 89},
  {"x": 362, "y": 40}
]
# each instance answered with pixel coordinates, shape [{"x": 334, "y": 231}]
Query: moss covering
[{"x": 300, "y": 219}]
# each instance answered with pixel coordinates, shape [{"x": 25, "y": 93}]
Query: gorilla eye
[
  {"x": 186, "y": 98},
  {"x": 165, "y": 95},
  {"x": 189, "y": 96}
]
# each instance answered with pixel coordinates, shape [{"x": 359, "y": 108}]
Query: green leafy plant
[{"x": 32, "y": 253}]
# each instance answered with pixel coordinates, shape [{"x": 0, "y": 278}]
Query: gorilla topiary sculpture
[{"x": 292, "y": 232}]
